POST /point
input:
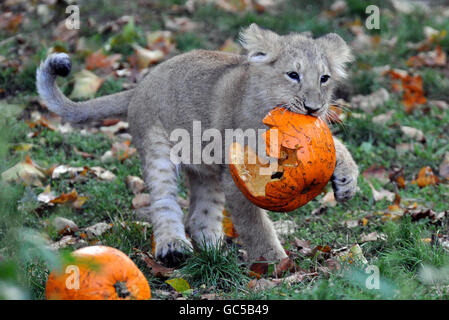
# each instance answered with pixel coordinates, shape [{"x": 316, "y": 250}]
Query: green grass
[{"x": 215, "y": 267}]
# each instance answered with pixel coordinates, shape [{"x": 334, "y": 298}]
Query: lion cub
[{"x": 222, "y": 91}]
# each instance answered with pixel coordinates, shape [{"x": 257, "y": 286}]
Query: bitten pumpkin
[
  {"x": 98, "y": 273},
  {"x": 305, "y": 153}
]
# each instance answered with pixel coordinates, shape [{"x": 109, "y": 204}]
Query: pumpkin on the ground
[
  {"x": 98, "y": 273},
  {"x": 304, "y": 148}
]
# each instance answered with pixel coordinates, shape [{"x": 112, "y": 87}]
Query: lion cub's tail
[{"x": 59, "y": 64}]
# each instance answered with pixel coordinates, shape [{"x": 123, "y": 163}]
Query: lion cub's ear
[
  {"x": 262, "y": 45},
  {"x": 338, "y": 52}
]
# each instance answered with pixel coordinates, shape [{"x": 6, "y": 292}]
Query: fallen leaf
[
  {"x": 384, "y": 118},
  {"x": 145, "y": 57},
  {"x": 63, "y": 169},
  {"x": 382, "y": 194},
  {"x": 435, "y": 58},
  {"x": 63, "y": 34},
  {"x": 64, "y": 226},
  {"x": 376, "y": 171},
  {"x": 351, "y": 223},
  {"x": 329, "y": 199},
  {"x": 86, "y": 85},
  {"x": 425, "y": 177},
  {"x": 25, "y": 172},
  {"x": 294, "y": 278},
  {"x": 135, "y": 184},
  {"x": 10, "y": 21},
  {"x": 369, "y": 103},
  {"x": 112, "y": 129},
  {"x": 155, "y": 268},
  {"x": 65, "y": 197},
  {"x": 98, "y": 60},
  {"x": 68, "y": 240},
  {"x": 102, "y": 173},
  {"x": 181, "y": 24},
  {"x": 231, "y": 46},
  {"x": 122, "y": 150},
  {"x": 412, "y": 87},
  {"x": 413, "y": 133},
  {"x": 260, "y": 284},
  {"x": 179, "y": 284},
  {"x": 46, "y": 196},
  {"x": 161, "y": 40},
  {"x": 443, "y": 169},
  {"x": 354, "y": 254},
  {"x": 259, "y": 267},
  {"x": 97, "y": 230},
  {"x": 228, "y": 226},
  {"x": 285, "y": 265},
  {"x": 373, "y": 236},
  {"x": 83, "y": 154},
  {"x": 141, "y": 200}
]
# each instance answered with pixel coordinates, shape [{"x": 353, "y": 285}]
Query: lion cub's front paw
[
  {"x": 344, "y": 183},
  {"x": 172, "y": 252}
]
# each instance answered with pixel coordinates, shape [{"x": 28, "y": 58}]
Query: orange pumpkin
[
  {"x": 305, "y": 153},
  {"x": 98, "y": 273}
]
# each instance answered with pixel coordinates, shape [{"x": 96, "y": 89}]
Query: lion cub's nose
[{"x": 309, "y": 109}]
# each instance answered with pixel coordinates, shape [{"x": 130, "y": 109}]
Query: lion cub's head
[{"x": 294, "y": 70}]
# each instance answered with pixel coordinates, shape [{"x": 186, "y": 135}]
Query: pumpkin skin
[
  {"x": 105, "y": 273},
  {"x": 306, "y": 161}
]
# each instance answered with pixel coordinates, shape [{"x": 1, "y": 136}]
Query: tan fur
[{"x": 222, "y": 90}]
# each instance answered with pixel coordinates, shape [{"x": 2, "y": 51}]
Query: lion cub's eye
[
  {"x": 324, "y": 78},
  {"x": 293, "y": 75}
]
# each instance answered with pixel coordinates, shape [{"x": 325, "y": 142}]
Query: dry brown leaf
[
  {"x": 369, "y": 103},
  {"x": 413, "y": 133},
  {"x": 135, "y": 184},
  {"x": 376, "y": 171},
  {"x": 329, "y": 199},
  {"x": 284, "y": 266},
  {"x": 181, "y": 24},
  {"x": 303, "y": 246},
  {"x": 98, "y": 60},
  {"x": 86, "y": 85},
  {"x": 83, "y": 154},
  {"x": 260, "y": 284},
  {"x": 412, "y": 87},
  {"x": 145, "y": 57},
  {"x": 97, "y": 230},
  {"x": 382, "y": 194},
  {"x": 10, "y": 21},
  {"x": 435, "y": 58},
  {"x": 231, "y": 46},
  {"x": 259, "y": 267},
  {"x": 65, "y": 197},
  {"x": 26, "y": 172},
  {"x": 155, "y": 268},
  {"x": 122, "y": 150},
  {"x": 64, "y": 226},
  {"x": 443, "y": 169},
  {"x": 161, "y": 40},
  {"x": 373, "y": 236},
  {"x": 46, "y": 196}
]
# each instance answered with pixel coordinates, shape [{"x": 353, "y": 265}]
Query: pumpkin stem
[{"x": 121, "y": 289}]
